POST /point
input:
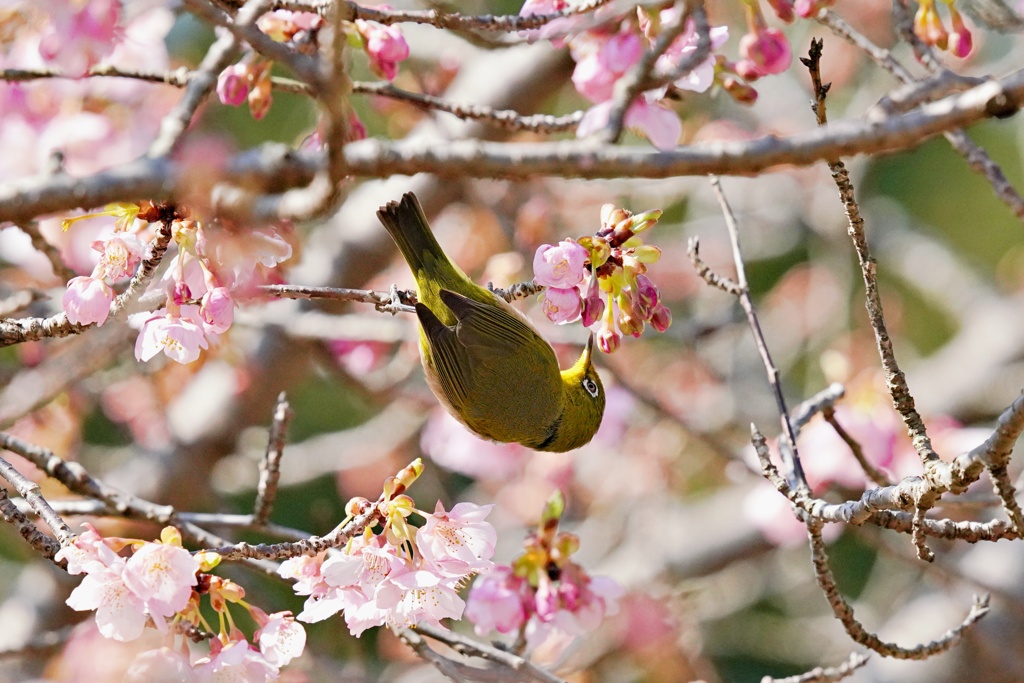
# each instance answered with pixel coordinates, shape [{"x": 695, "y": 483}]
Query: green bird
[{"x": 483, "y": 359}]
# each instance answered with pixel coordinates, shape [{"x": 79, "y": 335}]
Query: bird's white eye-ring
[{"x": 591, "y": 387}]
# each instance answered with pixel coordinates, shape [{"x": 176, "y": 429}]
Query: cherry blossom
[
  {"x": 280, "y": 638},
  {"x": 496, "y": 602},
  {"x": 562, "y": 305},
  {"x": 162, "y": 576},
  {"x": 560, "y": 265},
  {"x": 236, "y": 661},
  {"x": 87, "y": 300},
  {"x": 120, "y": 613},
  {"x": 458, "y": 542},
  {"x": 178, "y": 338}
]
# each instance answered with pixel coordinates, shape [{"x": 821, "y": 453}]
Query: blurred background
[{"x": 667, "y": 499}]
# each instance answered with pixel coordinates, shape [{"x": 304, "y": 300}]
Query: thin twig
[
  {"x": 796, "y": 471},
  {"x": 470, "y": 647},
  {"x": 844, "y": 612},
  {"x": 501, "y": 118},
  {"x": 270, "y": 465},
  {"x": 895, "y": 380},
  {"x": 9, "y": 512},
  {"x": 452, "y": 20},
  {"x": 706, "y": 273},
  {"x": 33, "y": 495},
  {"x": 872, "y": 472},
  {"x": 825, "y": 674}
]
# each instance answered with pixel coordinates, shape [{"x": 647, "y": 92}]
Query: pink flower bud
[
  {"x": 217, "y": 310},
  {"x": 87, "y": 300},
  {"x": 661, "y": 317},
  {"x": 182, "y": 294},
  {"x": 747, "y": 70},
  {"x": 233, "y": 85},
  {"x": 960, "y": 40},
  {"x": 768, "y": 49},
  {"x": 608, "y": 340},
  {"x": 562, "y": 265},
  {"x": 593, "y": 304},
  {"x": 561, "y": 305},
  {"x": 385, "y": 46},
  {"x": 645, "y": 296},
  {"x": 739, "y": 90},
  {"x": 783, "y": 9}
]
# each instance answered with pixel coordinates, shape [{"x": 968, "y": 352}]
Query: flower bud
[
  {"x": 608, "y": 340},
  {"x": 593, "y": 303},
  {"x": 661, "y": 317},
  {"x": 233, "y": 85},
  {"x": 645, "y": 220},
  {"x": 960, "y": 40},
  {"x": 357, "y": 506}
]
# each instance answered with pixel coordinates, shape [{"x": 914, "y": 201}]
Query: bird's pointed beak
[{"x": 588, "y": 351}]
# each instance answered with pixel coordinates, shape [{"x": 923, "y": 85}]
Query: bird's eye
[{"x": 591, "y": 387}]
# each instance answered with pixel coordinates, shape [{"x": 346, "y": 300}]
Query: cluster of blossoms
[
  {"x": 929, "y": 27},
  {"x": 75, "y": 35},
  {"x": 403, "y": 575},
  {"x": 544, "y": 597},
  {"x": 602, "y": 279},
  {"x": 88, "y": 297},
  {"x": 200, "y": 285},
  {"x": 606, "y": 53},
  {"x": 249, "y": 80},
  {"x": 161, "y": 584}
]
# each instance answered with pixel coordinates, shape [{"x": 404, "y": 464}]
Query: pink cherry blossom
[
  {"x": 281, "y": 639},
  {"x": 217, "y": 310},
  {"x": 384, "y": 45},
  {"x": 87, "y": 300},
  {"x": 233, "y": 85},
  {"x": 161, "y": 575},
  {"x": 81, "y": 33},
  {"x": 411, "y": 596},
  {"x": 120, "y": 614},
  {"x": 305, "y": 570},
  {"x": 496, "y": 602},
  {"x": 235, "y": 662},
  {"x": 458, "y": 542},
  {"x": 700, "y": 78},
  {"x": 562, "y": 305},
  {"x": 655, "y": 122},
  {"x": 86, "y": 552},
  {"x": 601, "y": 61},
  {"x": 562, "y": 265},
  {"x": 120, "y": 253},
  {"x": 178, "y": 338}
]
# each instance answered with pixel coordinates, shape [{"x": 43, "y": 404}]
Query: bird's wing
[
  {"x": 489, "y": 325},
  {"x": 449, "y": 361}
]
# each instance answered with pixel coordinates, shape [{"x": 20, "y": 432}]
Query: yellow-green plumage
[{"x": 483, "y": 359}]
